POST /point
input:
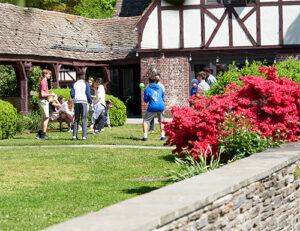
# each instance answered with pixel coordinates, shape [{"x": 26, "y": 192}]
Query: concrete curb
[{"x": 159, "y": 207}]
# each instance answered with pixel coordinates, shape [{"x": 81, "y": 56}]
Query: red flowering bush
[{"x": 272, "y": 105}]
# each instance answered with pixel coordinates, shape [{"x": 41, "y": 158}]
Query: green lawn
[
  {"x": 124, "y": 135},
  {"x": 41, "y": 187}
]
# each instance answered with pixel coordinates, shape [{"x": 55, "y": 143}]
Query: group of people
[
  {"x": 203, "y": 82},
  {"x": 86, "y": 97}
]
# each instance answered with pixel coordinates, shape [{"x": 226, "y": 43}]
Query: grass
[
  {"x": 124, "y": 135},
  {"x": 42, "y": 187}
]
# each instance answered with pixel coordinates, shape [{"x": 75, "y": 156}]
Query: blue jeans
[
  {"x": 81, "y": 110},
  {"x": 102, "y": 119}
]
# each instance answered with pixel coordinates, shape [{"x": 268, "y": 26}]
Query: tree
[{"x": 85, "y": 8}]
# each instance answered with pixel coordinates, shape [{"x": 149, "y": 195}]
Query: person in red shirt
[{"x": 44, "y": 94}]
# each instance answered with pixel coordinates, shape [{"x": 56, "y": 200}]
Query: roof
[
  {"x": 30, "y": 31},
  {"x": 130, "y": 8}
]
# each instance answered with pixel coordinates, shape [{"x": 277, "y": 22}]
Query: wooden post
[
  {"x": 55, "y": 68},
  {"x": 81, "y": 69},
  {"x": 108, "y": 79},
  {"x": 21, "y": 69}
]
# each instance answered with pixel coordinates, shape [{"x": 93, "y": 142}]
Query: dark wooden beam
[
  {"x": 181, "y": 25},
  {"x": 21, "y": 73},
  {"x": 280, "y": 23},
  {"x": 160, "y": 44},
  {"x": 55, "y": 68},
  {"x": 216, "y": 29},
  {"x": 244, "y": 27},
  {"x": 230, "y": 27}
]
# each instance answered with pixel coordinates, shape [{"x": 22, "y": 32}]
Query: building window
[{"x": 216, "y": 2}]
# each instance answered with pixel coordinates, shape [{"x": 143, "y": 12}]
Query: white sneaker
[
  {"x": 70, "y": 130},
  {"x": 102, "y": 129},
  {"x": 84, "y": 138}
]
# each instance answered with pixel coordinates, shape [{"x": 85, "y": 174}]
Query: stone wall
[
  {"x": 256, "y": 193},
  {"x": 174, "y": 76},
  {"x": 272, "y": 203}
]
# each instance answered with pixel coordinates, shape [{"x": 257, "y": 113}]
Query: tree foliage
[{"x": 85, "y": 8}]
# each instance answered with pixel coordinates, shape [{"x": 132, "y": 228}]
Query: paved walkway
[{"x": 89, "y": 146}]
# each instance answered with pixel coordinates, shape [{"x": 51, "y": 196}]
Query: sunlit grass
[
  {"x": 42, "y": 187},
  {"x": 124, "y": 135}
]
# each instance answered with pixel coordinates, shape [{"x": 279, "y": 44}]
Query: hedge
[
  {"x": 8, "y": 120},
  {"x": 117, "y": 112}
]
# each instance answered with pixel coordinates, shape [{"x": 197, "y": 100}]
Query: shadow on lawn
[
  {"x": 128, "y": 138},
  {"x": 169, "y": 158},
  {"x": 140, "y": 190}
]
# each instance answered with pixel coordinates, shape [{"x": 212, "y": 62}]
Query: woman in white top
[{"x": 99, "y": 102}]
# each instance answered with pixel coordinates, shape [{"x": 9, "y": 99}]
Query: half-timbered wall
[{"x": 198, "y": 25}]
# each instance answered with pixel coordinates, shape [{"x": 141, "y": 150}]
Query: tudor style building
[
  {"x": 180, "y": 41},
  {"x": 147, "y": 36}
]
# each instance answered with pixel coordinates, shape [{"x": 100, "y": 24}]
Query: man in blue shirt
[
  {"x": 201, "y": 76},
  {"x": 210, "y": 79},
  {"x": 155, "y": 97}
]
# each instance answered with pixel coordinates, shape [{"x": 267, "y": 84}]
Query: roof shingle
[{"x": 30, "y": 31}]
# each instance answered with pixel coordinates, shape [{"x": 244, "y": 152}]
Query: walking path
[{"x": 89, "y": 146}]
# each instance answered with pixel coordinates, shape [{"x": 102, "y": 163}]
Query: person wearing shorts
[
  {"x": 44, "y": 94},
  {"x": 155, "y": 97}
]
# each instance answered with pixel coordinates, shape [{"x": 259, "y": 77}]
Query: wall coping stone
[{"x": 162, "y": 206}]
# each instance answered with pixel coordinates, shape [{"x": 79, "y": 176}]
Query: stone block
[
  {"x": 238, "y": 202},
  {"x": 202, "y": 222}
]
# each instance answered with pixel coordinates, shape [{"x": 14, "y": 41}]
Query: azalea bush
[
  {"x": 272, "y": 105},
  {"x": 289, "y": 69}
]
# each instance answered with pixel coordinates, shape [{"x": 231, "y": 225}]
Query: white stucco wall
[
  {"x": 150, "y": 35},
  {"x": 222, "y": 37},
  {"x": 170, "y": 29},
  {"x": 192, "y": 2},
  {"x": 192, "y": 28},
  {"x": 269, "y": 17},
  {"x": 239, "y": 36},
  {"x": 291, "y": 24},
  {"x": 218, "y": 12}
]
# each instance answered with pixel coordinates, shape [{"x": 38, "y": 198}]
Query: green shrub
[
  {"x": 31, "y": 122},
  {"x": 8, "y": 120},
  {"x": 190, "y": 167},
  {"x": 240, "y": 139},
  {"x": 117, "y": 113},
  {"x": 233, "y": 73},
  {"x": 58, "y": 92},
  {"x": 289, "y": 69}
]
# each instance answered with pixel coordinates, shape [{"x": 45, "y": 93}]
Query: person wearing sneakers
[
  {"x": 155, "y": 97},
  {"x": 81, "y": 96},
  {"x": 102, "y": 111},
  {"x": 44, "y": 94},
  {"x": 151, "y": 129},
  {"x": 98, "y": 102}
]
